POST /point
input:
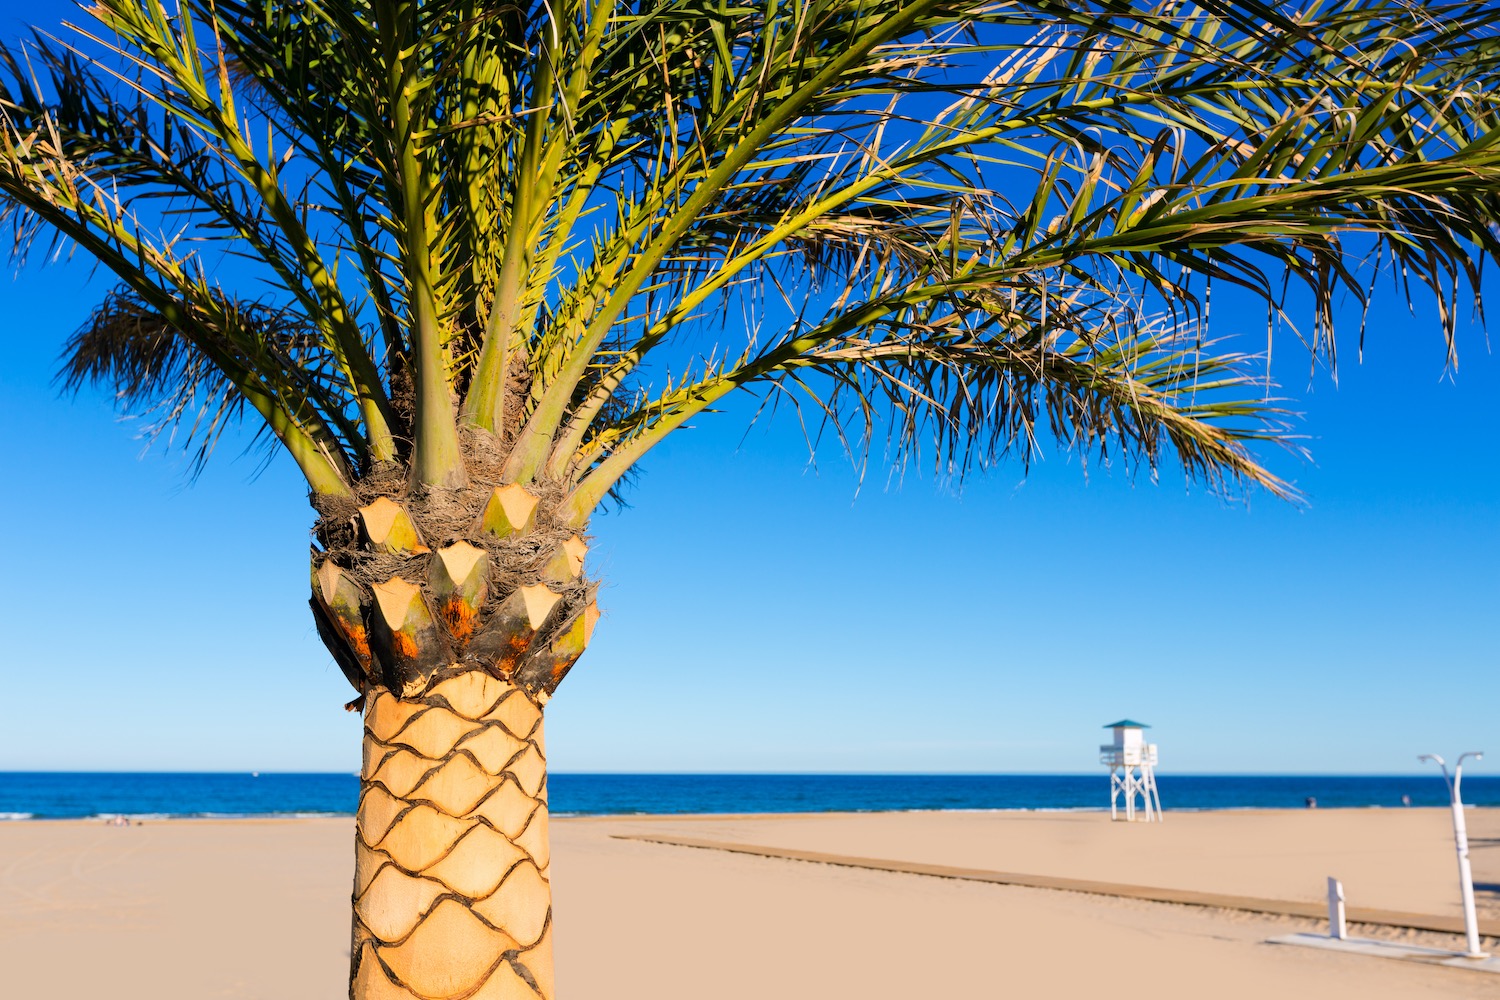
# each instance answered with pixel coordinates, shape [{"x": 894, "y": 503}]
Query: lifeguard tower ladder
[{"x": 1132, "y": 772}]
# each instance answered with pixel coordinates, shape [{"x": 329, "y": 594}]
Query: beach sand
[{"x": 259, "y": 908}]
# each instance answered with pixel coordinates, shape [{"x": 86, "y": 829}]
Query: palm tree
[{"x": 464, "y": 261}]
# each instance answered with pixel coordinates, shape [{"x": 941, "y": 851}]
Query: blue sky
[
  {"x": 160, "y": 625},
  {"x": 762, "y": 615}
]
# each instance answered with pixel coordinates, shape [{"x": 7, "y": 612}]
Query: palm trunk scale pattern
[
  {"x": 454, "y": 648},
  {"x": 451, "y": 893}
]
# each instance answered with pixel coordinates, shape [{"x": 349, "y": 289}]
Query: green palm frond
[
  {"x": 131, "y": 348},
  {"x": 452, "y": 237}
]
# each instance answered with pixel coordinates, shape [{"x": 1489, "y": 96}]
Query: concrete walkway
[
  {"x": 1187, "y": 897},
  {"x": 1393, "y": 950}
]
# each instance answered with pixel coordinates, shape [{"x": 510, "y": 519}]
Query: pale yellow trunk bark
[{"x": 451, "y": 895}]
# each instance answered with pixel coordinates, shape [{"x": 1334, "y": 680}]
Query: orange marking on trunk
[
  {"x": 405, "y": 645},
  {"x": 459, "y": 618},
  {"x": 516, "y": 646},
  {"x": 359, "y": 640},
  {"x": 561, "y": 667}
]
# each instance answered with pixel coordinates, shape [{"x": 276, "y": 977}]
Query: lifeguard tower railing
[{"x": 1129, "y": 756}]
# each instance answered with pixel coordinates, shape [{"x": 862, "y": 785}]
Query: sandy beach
[{"x": 259, "y": 908}]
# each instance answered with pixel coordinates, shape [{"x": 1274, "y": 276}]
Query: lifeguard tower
[{"x": 1132, "y": 771}]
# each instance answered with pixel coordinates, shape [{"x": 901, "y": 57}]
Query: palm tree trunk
[{"x": 451, "y": 897}]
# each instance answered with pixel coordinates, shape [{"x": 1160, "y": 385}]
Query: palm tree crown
[{"x": 446, "y": 236}]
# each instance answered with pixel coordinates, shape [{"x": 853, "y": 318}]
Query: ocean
[{"x": 39, "y": 795}]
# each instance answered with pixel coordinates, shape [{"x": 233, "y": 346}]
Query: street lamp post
[{"x": 1461, "y": 843}]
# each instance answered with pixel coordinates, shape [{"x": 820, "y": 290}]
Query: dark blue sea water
[{"x": 58, "y": 796}]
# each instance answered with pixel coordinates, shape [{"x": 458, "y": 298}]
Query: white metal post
[
  {"x": 1461, "y": 845},
  {"x": 1338, "y": 927},
  {"x": 1465, "y": 877}
]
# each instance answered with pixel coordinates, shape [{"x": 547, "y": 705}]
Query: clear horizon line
[{"x": 806, "y": 773}]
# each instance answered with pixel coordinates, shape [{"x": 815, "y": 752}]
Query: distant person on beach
[
  {"x": 1312, "y": 803},
  {"x": 1406, "y": 800}
]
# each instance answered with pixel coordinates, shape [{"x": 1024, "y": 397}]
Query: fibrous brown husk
[{"x": 443, "y": 517}]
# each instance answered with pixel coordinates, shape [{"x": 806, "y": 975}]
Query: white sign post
[
  {"x": 1338, "y": 927},
  {"x": 1461, "y": 844}
]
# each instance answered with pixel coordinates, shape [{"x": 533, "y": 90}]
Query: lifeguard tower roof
[{"x": 1126, "y": 724}]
